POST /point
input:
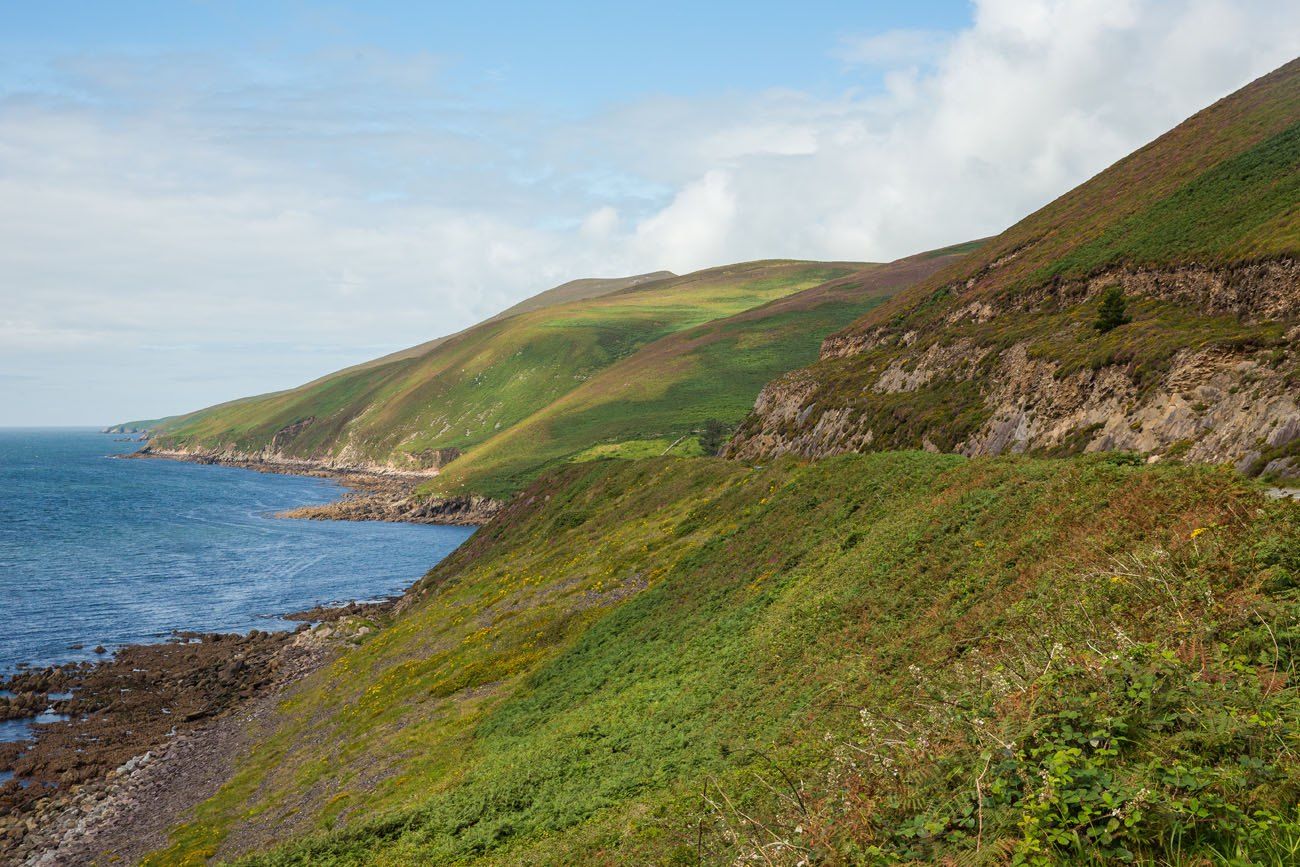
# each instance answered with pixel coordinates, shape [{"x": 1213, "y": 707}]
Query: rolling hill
[
  {"x": 574, "y": 290},
  {"x": 415, "y": 410},
  {"x": 589, "y": 369},
  {"x": 949, "y": 654},
  {"x": 1199, "y": 231},
  {"x": 657, "y": 400}
]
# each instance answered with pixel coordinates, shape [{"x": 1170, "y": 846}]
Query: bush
[
  {"x": 712, "y": 436},
  {"x": 1112, "y": 312}
]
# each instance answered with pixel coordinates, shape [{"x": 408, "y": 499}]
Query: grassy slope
[
  {"x": 1219, "y": 189},
  {"x": 874, "y": 658},
  {"x": 574, "y": 290},
  {"x": 489, "y": 378},
  {"x": 653, "y": 400}
]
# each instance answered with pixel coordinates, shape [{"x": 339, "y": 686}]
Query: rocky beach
[
  {"x": 113, "y": 721},
  {"x": 142, "y": 736}
]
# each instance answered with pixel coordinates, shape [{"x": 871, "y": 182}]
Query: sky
[{"x": 205, "y": 200}]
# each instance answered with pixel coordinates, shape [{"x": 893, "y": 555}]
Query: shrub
[
  {"x": 1112, "y": 312},
  {"x": 712, "y": 436}
]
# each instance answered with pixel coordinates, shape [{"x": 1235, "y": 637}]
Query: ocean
[{"x": 99, "y": 551}]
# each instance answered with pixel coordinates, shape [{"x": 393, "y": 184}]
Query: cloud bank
[{"x": 179, "y": 230}]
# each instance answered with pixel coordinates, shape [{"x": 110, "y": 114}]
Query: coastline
[
  {"x": 126, "y": 744},
  {"x": 376, "y": 493},
  {"x": 110, "y": 782}
]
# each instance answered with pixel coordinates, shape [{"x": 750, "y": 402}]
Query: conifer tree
[{"x": 1112, "y": 312}]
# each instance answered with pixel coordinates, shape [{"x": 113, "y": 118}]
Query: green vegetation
[
  {"x": 1243, "y": 208},
  {"x": 653, "y": 656},
  {"x": 1220, "y": 188},
  {"x": 872, "y": 659},
  {"x": 675, "y": 360},
  {"x": 466, "y": 391},
  {"x": 1112, "y": 312},
  {"x": 673, "y": 388},
  {"x": 1178, "y": 234},
  {"x": 712, "y": 436}
]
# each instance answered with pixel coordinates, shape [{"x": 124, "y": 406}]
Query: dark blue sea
[{"x": 100, "y": 551}]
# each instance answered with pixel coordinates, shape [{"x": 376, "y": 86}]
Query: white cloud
[
  {"x": 317, "y": 217},
  {"x": 601, "y": 223},
  {"x": 694, "y": 230},
  {"x": 1035, "y": 97}
]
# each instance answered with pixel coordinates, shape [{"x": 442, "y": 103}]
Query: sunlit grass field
[
  {"x": 471, "y": 388},
  {"x": 882, "y": 658},
  {"x": 666, "y": 392}
]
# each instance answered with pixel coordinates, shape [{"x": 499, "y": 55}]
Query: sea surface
[{"x": 101, "y": 551}]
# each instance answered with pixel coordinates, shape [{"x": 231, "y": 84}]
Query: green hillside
[
  {"x": 937, "y": 652},
  {"x": 1199, "y": 231},
  {"x": 574, "y": 290},
  {"x": 659, "y": 398},
  {"x": 466, "y": 389},
  {"x": 1221, "y": 187},
  {"x": 639, "y": 370},
  {"x": 902, "y": 657}
]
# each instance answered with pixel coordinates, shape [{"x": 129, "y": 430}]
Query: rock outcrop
[
  {"x": 274, "y": 460},
  {"x": 466, "y": 511},
  {"x": 1228, "y": 401},
  {"x": 380, "y": 491}
]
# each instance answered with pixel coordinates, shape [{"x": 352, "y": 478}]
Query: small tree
[
  {"x": 712, "y": 436},
  {"x": 1112, "y": 313}
]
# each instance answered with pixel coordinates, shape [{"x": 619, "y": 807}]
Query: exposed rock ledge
[
  {"x": 379, "y": 493},
  {"x": 1214, "y": 405},
  {"x": 383, "y": 506},
  {"x": 1217, "y": 404},
  {"x": 269, "y": 461}
]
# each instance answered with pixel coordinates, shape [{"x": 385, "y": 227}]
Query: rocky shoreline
[
  {"x": 375, "y": 494},
  {"x": 125, "y": 745},
  {"x": 387, "y": 505},
  {"x": 145, "y": 735}
]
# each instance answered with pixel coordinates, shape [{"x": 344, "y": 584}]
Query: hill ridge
[
  {"x": 1199, "y": 231},
  {"x": 437, "y": 412}
]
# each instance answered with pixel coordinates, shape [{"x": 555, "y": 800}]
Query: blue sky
[
  {"x": 200, "y": 201},
  {"x": 573, "y": 56}
]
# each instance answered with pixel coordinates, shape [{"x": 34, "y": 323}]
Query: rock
[
  {"x": 1281, "y": 467},
  {"x": 1285, "y": 432}
]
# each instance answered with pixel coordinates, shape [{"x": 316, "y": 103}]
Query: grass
[
  {"x": 469, "y": 389},
  {"x": 665, "y": 392},
  {"x": 872, "y": 659},
  {"x": 1218, "y": 191},
  {"x": 596, "y": 377},
  {"x": 671, "y": 388},
  {"x": 1219, "y": 188},
  {"x": 1241, "y": 209}
]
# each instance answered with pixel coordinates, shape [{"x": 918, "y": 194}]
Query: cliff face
[
  {"x": 999, "y": 353},
  {"x": 403, "y": 507},
  {"x": 380, "y": 492},
  {"x": 1233, "y": 401}
]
